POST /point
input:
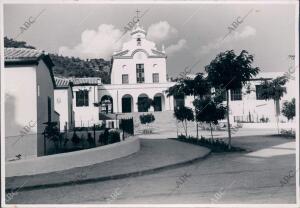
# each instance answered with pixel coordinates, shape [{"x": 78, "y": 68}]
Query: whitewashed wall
[
  {"x": 20, "y": 111},
  {"x": 63, "y": 105},
  {"x": 45, "y": 89},
  {"x": 86, "y": 115}
]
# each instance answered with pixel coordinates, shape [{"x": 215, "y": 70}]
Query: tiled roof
[
  {"x": 61, "y": 82},
  {"x": 16, "y": 56},
  {"x": 12, "y": 54},
  {"x": 86, "y": 81}
]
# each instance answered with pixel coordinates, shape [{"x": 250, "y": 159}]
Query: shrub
[
  {"x": 75, "y": 138},
  {"x": 289, "y": 133},
  {"x": 147, "y": 118},
  {"x": 103, "y": 137},
  {"x": 113, "y": 136},
  {"x": 91, "y": 140},
  {"x": 216, "y": 145}
]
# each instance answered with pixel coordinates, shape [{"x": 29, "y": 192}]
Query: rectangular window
[
  {"x": 124, "y": 78},
  {"x": 140, "y": 75},
  {"x": 258, "y": 92},
  {"x": 49, "y": 110},
  {"x": 155, "y": 77},
  {"x": 82, "y": 98},
  {"x": 236, "y": 94}
]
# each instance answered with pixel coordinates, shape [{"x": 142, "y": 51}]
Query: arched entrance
[
  {"x": 159, "y": 102},
  {"x": 106, "y": 104},
  {"x": 127, "y": 104},
  {"x": 143, "y": 103}
]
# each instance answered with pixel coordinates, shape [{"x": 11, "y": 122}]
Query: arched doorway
[
  {"x": 106, "y": 104},
  {"x": 143, "y": 103},
  {"x": 159, "y": 102},
  {"x": 127, "y": 104}
]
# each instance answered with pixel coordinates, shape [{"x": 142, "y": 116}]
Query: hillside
[{"x": 70, "y": 66}]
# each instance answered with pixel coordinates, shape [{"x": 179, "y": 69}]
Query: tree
[
  {"x": 148, "y": 118},
  {"x": 52, "y": 133},
  {"x": 209, "y": 111},
  {"x": 184, "y": 115},
  {"x": 274, "y": 90},
  {"x": 229, "y": 71},
  {"x": 288, "y": 109},
  {"x": 144, "y": 104},
  {"x": 11, "y": 43},
  {"x": 198, "y": 87}
]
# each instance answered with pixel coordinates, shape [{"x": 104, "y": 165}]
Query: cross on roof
[{"x": 137, "y": 14}]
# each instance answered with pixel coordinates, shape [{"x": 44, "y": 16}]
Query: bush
[
  {"x": 113, "y": 136},
  {"x": 90, "y": 128},
  {"x": 75, "y": 138},
  {"x": 216, "y": 145},
  {"x": 103, "y": 137},
  {"x": 147, "y": 118},
  {"x": 288, "y": 133},
  {"x": 91, "y": 140},
  {"x": 109, "y": 137}
]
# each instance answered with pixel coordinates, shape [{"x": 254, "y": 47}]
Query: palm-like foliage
[{"x": 274, "y": 89}]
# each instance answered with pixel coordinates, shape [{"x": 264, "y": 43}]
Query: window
[
  {"x": 236, "y": 94},
  {"x": 155, "y": 77},
  {"x": 138, "y": 41},
  {"x": 124, "y": 78},
  {"x": 49, "y": 109},
  {"x": 82, "y": 98},
  {"x": 258, "y": 92},
  {"x": 140, "y": 76}
]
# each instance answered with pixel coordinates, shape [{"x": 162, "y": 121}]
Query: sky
[{"x": 192, "y": 34}]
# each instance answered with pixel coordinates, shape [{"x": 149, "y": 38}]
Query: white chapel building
[{"x": 138, "y": 71}]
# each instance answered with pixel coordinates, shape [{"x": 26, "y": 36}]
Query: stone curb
[{"x": 113, "y": 177}]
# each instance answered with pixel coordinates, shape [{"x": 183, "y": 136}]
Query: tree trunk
[
  {"x": 211, "y": 131},
  {"x": 276, "y": 103},
  {"x": 185, "y": 128},
  {"x": 228, "y": 121},
  {"x": 195, "y": 116}
]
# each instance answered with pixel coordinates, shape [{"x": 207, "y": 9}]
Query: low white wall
[
  {"x": 269, "y": 125},
  {"x": 69, "y": 160}
]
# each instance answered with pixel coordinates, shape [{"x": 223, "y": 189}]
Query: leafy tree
[
  {"x": 11, "y": 43},
  {"x": 148, "y": 118},
  {"x": 230, "y": 71},
  {"x": 144, "y": 104},
  {"x": 288, "y": 109},
  {"x": 198, "y": 87},
  {"x": 209, "y": 111},
  {"x": 52, "y": 133},
  {"x": 184, "y": 115},
  {"x": 176, "y": 90},
  {"x": 274, "y": 90}
]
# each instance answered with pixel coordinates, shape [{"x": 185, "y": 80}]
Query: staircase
[{"x": 164, "y": 121}]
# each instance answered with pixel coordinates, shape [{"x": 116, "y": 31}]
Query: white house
[
  {"x": 138, "y": 71},
  {"x": 246, "y": 104},
  {"x": 86, "y": 110},
  {"x": 29, "y": 101},
  {"x": 63, "y": 103}
]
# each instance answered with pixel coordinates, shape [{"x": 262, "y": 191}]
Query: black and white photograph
[{"x": 149, "y": 103}]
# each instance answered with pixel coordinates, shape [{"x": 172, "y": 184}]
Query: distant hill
[{"x": 70, "y": 66}]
